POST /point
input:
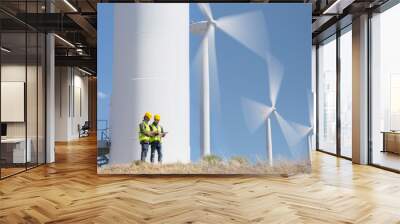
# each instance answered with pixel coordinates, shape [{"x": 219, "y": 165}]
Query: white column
[
  {"x": 205, "y": 107},
  {"x": 150, "y": 73},
  {"x": 360, "y": 90},
  {"x": 50, "y": 92},
  {"x": 50, "y": 99},
  {"x": 269, "y": 142}
]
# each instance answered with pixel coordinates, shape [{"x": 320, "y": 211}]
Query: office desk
[
  {"x": 391, "y": 141},
  {"x": 13, "y": 150}
]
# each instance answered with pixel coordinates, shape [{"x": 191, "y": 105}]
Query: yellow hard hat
[
  {"x": 157, "y": 117},
  {"x": 148, "y": 115}
]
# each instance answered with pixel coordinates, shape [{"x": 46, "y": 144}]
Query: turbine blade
[
  {"x": 213, "y": 69},
  {"x": 206, "y": 10},
  {"x": 255, "y": 113},
  {"x": 293, "y": 132},
  {"x": 302, "y": 130},
  {"x": 275, "y": 76},
  {"x": 248, "y": 28}
]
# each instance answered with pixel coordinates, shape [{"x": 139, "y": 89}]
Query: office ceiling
[{"x": 76, "y": 22}]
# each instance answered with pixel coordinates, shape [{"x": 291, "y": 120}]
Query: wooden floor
[
  {"x": 5, "y": 172},
  {"x": 70, "y": 191}
]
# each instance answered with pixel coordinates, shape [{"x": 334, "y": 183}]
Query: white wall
[
  {"x": 12, "y": 73},
  {"x": 69, "y": 84},
  {"x": 79, "y": 117},
  {"x": 33, "y": 126}
]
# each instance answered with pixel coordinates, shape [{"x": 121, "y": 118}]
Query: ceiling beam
[{"x": 81, "y": 61}]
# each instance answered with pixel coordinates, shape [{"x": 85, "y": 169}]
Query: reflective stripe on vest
[
  {"x": 142, "y": 137},
  {"x": 158, "y": 130}
]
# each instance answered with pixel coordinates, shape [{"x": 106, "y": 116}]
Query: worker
[
  {"x": 145, "y": 135},
  {"x": 156, "y": 140}
]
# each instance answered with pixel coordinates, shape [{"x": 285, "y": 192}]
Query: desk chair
[{"x": 84, "y": 130}]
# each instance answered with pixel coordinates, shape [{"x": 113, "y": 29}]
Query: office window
[
  {"x": 346, "y": 92},
  {"x": 327, "y": 95},
  {"x": 385, "y": 88}
]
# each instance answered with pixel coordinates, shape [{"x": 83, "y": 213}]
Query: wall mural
[{"x": 222, "y": 88}]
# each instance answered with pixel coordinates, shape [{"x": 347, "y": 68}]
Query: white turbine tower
[
  {"x": 310, "y": 130},
  {"x": 246, "y": 28},
  {"x": 257, "y": 113}
]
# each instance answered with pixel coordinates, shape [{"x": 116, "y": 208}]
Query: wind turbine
[
  {"x": 248, "y": 29},
  {"x": 257, "y": 113}
]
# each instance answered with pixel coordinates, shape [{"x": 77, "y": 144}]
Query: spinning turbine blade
[
  {"x": 248, "y": 28},
  {"x": 206, "y": 10},
  {"x": 301, "y": 130},
  {"x": 213, "y": 69},
  {"x": 293, "y": 132},
  {"x": 255, "y": 113},
  {"x": 275, "y": 76}
]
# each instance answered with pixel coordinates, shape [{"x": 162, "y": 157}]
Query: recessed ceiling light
[
  {"x": 70, "y": 5},
  {"x": 84, "y": 71},
  {"x": 5, "y": 50},
  {"x": 337, "y": 7},
  {"x": 64, "y": 40}
]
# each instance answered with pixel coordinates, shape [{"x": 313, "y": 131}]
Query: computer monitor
[{"x": 3, "y": 129}]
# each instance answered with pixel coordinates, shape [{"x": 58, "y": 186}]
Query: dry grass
[{"x": 210, "y": 165}]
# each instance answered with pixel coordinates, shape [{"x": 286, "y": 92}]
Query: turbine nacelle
[
  {"x": 270, "y": 111},
  {"x": 202, "y": 27},
  {"x": 212, "y": 22},
  {"x": 199, "y": 27}
]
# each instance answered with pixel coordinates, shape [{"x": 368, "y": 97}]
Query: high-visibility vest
[
  {"x": 142, "y": 136},
  {"x": 158, "y": 130}
]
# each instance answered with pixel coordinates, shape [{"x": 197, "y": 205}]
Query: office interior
[
  {"x": 334, "y": 75},
  {"x": 48, "y": 79},
  {"x": 48, "y": 95}
]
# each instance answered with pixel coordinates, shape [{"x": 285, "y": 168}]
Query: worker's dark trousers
[
  {"x": 145, "y": 148},
  {"x": 156, "y": 146}
]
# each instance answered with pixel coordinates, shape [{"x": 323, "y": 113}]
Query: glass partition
[
  {"x": 327, "y": 95},
  {"x": 14, "y": 153},
  {"x": 346, "y": 92},
  {"x": 385, "y": 89},
  {"x": 22, "y": 88}
]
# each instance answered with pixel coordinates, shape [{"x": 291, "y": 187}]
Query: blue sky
[
  {"x": 241, "y": 73},
  {"x": 104, "y": 60}
]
